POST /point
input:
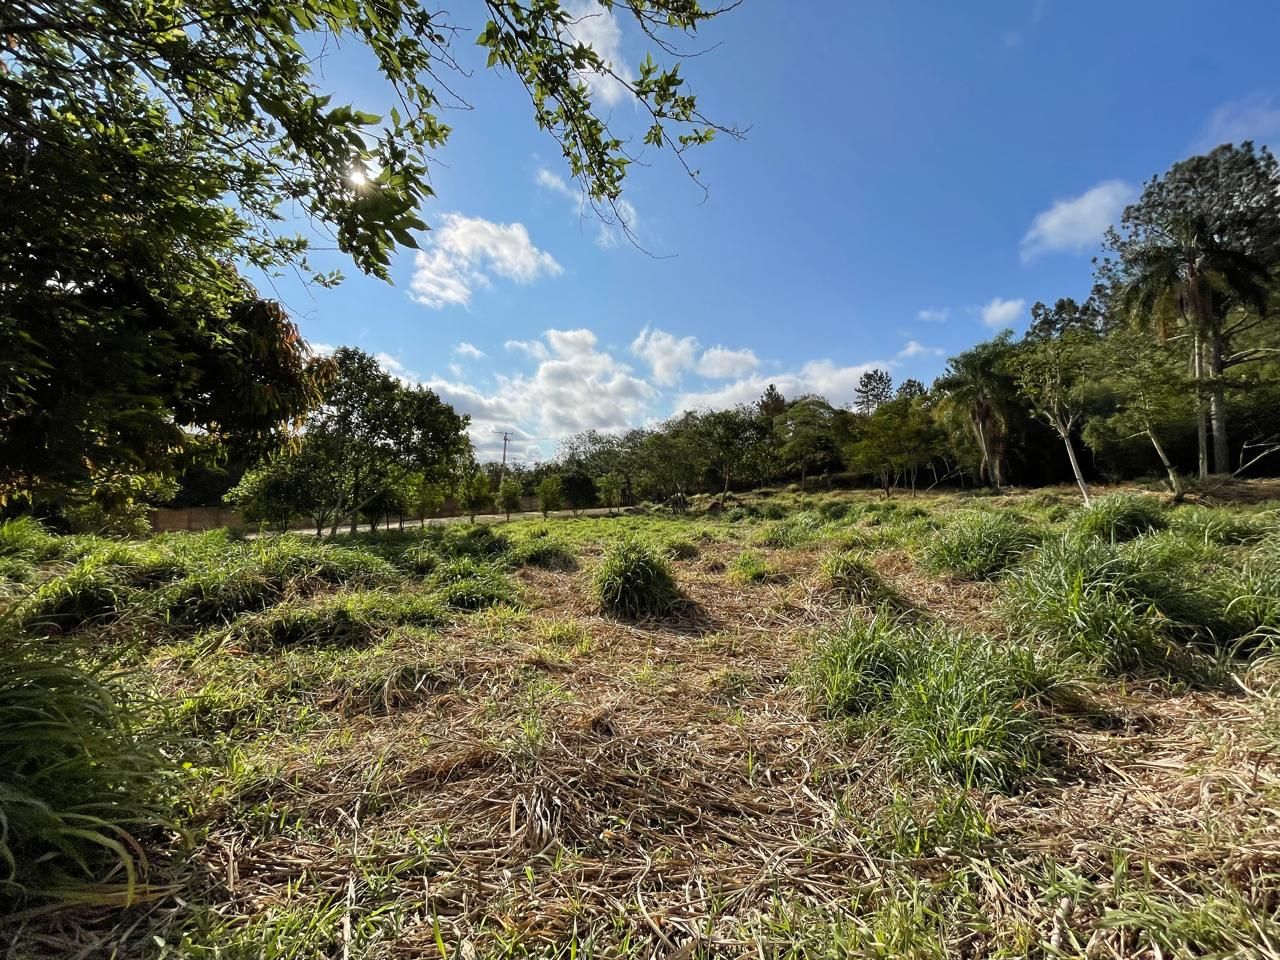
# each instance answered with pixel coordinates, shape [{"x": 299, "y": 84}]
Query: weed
[
  {"x": 469, "y": 584},
  {"x": 855, "y": 666},
  {"x": 848, "y": 574},
  {"x": 25, "y": 539}
]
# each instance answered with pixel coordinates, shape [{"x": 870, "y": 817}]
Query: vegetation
[{"x": 416, "y": 672}]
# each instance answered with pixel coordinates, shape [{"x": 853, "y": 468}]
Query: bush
[
  {"x": 1121, "y": 516},
  {"x": 633, "y": 581},
  {"x": 750, "y": 567},
  {"x": 78, "y": 781},
  {"x": 978, "y": 545},
  {"x": 25, "y": 539},
  {"x": 469, "y": 584},
  {"x": 848, "y": 574}
]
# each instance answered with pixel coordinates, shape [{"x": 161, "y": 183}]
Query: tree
[
  {"x": 1052, "y": 373},
  {"x": 609, "y": 487},
  {"x": 509, "y": 493},
  {"x": 909, "y": 389},
  {"x": 771, "y": 403},
  {"x": 150, "y": 152},
  {"x": 874, "y": 388},
  {"x": 474, "y": 494},
  {"x": 122, "y": 347},
  {"x": 806, "y": 437},
  {"x": 1196, "y": 252},
  {"x": 976, "y": 387},
  {"x": 578, "y": 488},
  {"x": 427, "y": 495},
  {"x": 550, "y": 495}
]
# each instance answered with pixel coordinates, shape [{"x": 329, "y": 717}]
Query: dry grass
[{"x": 517, "y": 781}]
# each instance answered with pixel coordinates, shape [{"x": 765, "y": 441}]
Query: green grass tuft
[
  {"x": 470, "y": 584},
  {"x": 633, "y": 581},
  {"x": 978, "y": 545},
  {"x": 849, "y": 575},
  {"x": 1121, "y": 516},
  {"x": 750, "y": 567}
]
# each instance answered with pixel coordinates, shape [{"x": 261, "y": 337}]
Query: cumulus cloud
[
  {"x": 1002, "y": 313},
  {"x": 915, "y": 348},
  {"x": 1256, "y": 117},
  {"x": 667, "y": 356},
  {"x": 596, "y": 27},
  {"x": 825, "y": 377},
  {"x": 933, "y": 314},
  {"x": 721, "y": 363},
  {"x": 576, "y": 386},
  {"x": 465, "y": 349},
  {"x": 1077, "y": 224},
  {"x": 466, "y": 252}
]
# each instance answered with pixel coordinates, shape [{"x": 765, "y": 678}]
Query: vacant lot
[{"x": 805, "y": 726}]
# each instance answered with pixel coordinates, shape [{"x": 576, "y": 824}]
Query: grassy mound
[
  {"x": 91, "y": 591},
  {"x": 848, "y": 574},
  {"x": 634, "y": 581},
  {"x": 1121, "y": 516},
  {"x": 339, "y": 619},
  {"x": 978, "y": 545},
  {"x": 76, "y": 784},
  {"x": 26, "y": 539},
  {"x": 750, "y": 567},
  {"x": 544, "y": 551},
  {"x": 956, "y": 705},
  {"x": 470, "y": 584},
  {"x": 793, "y": 531}
]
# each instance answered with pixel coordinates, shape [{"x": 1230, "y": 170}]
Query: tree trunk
[
  {"x": 1202, "y": 428},
  {"x": 1218, "y": 407},
  {"x": 1065, "y": 434},
  {"x": 1175, "y": 482}
]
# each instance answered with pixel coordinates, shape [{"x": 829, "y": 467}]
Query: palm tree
[
  {"x": 1182, "y": 277},
  {"x": 977, "y": 388}
]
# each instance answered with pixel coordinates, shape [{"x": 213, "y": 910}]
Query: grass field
[{"x": 807, "y": 726}]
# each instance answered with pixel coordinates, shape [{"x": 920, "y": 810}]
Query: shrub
[
  {"x": 469, "y": 584},
  {"x": 848, "y": 574},
  {"x": 25, "y": 539},
  {"x": 1121, "y": 516},
  {"x": 978, "y": 545},
  {"x": 78, "y": 781},
  {"x": 633, "y": 581},
  {"x": 750, "y": 567}
]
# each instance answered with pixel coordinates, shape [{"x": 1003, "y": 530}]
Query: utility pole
[{"x": 502, "y": 473}]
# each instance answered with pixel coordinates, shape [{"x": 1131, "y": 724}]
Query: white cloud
[
  {"x": 613, "y": 222},
  {"x": 824, "y": 377},
  {"x": 576, "y": 386},
  {"x": 397, "y": 369},
  {"x": 1078, "y": 223},
  {"x": 933, "y": 314},
  {"x": 534, "y": 348},
  {"x": 596, "y": 27},
  {"x": 322, "y": 349},
  {"x": 464, "y": 252},
  {"x": 1002, "y": 313},
  {"x": 721, "y": 363},
  {"x": 1256, "y": 117},
  {"x": 915, "y": 348},
  {"x": 667, "y": 356},
  {"x": 465, "y": 349}
]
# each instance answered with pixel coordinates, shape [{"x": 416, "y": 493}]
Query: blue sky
[{"x": 915, "y": 176}]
